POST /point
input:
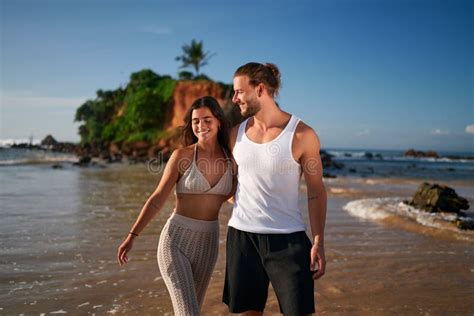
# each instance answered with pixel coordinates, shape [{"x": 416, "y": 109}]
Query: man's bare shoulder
[{"x": 306, "y": 136}]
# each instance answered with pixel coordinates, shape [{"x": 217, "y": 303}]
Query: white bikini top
[{"x": 194, "y": 182}]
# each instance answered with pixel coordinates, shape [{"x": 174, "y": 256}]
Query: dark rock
[
  {"x": 464, "y": 223},
  {"x": 83, "y": 161},
  {"x": 347, "y": 155},
  {"x": 368, "y": 155},
  {"x": 379, "y": 156},
  {"x": 105, "y": 155},
  {"x": 435, "y": 198},
  {"x": 49, "y": 141},
  {"x": 352, "y": 170},
  {"x": 126, "y": 149},
  {"x": 57, "y": 166},
  {"x": 132, "y": 160},
  {"x": 328, "y": 175},
  {"x": 418, "y": 154},
  {"x": 431, "y": 153},
  {"x": 328, "y": 162},
  {"x": 26, "y": 146},
  {"x": 64, "y": 147},
  {"x": 114, "y": 149},
  {"x": 410, "y": 152},
  {"x": 154, "y": 151},
  {"x": 323, "y": 152},
  {"x": 113, "y": 158},
  {"x": 165, "y": 154}
]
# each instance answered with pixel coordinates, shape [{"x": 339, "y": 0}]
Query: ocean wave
[
  {"x": 430, "y": 159},
  {"x": 368, "y": 208},
  {"x": 8, "y": 142},
  {"x": 342, "y": 154},
  {"x": 388, "y": 158},
  {"x": 26, "y": 161},
  {"x": 382, "y": 208},
  {"x": 10, "y": 157}
]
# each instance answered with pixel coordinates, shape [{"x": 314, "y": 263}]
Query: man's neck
[{"x": 269, "y": 115}]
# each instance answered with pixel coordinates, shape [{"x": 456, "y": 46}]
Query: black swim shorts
[{"x": 254, "y": 260}]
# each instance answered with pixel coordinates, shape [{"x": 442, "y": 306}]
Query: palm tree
[{"x": 193, "y": 55}]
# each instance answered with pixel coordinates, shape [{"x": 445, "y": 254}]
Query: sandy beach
[{"x": 59, "y": 242}]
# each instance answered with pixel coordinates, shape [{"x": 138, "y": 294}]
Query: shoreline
[{"x": 136, "y": 152}]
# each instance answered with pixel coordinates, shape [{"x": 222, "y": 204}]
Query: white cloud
[
  {"x": 156, "y": 30},
  {"x": 437, "y": 131},
  {"x": 470, "y": 129},
  {"x": 363, "y": 132},
  {"x": 27, "y": 99}
]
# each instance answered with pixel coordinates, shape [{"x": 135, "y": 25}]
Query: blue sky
[{"x": 363, "y": 74}]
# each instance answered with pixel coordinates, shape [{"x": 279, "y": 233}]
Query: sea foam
[{"x": 381, "y": 208}]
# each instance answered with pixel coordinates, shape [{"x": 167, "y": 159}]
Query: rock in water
[
  {"x": 435, "y": 198},
  {"x": 416, "y": 153},
  {"x": 49, "y": 141},
  {"x": 328, "y": 162}
]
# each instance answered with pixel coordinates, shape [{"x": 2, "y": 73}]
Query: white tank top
[{"x": 266, "y": 200}]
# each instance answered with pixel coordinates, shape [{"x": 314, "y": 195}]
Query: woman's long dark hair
[{"x": 216, "y": 110}]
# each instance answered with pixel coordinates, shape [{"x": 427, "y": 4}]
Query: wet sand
[{"x": 61, "y": 230}]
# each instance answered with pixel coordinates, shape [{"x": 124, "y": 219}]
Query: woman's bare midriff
[{"x": 199, "y": 206}]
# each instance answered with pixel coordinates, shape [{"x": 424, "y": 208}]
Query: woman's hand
[{"x": 124, "y": 248}]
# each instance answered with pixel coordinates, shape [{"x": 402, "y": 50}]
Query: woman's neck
[{"x": 209, "y": 146}]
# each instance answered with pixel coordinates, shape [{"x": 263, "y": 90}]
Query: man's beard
[{"x": 253, "y": 106}]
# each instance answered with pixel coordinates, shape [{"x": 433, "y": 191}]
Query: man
[{"x": 266, "y": 241}]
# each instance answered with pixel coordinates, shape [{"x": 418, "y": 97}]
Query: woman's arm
[
  {"x": 152, "y": 205},
  {"x": 230, "y": 197},
  {"x": 158, "y": 197}
]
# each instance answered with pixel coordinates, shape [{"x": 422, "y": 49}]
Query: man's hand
[{"x": 318, "y": 257}]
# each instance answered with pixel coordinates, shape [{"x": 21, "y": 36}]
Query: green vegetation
[
  {"x": 97, "y": 115},
  {"x": 131, "y": 114}
]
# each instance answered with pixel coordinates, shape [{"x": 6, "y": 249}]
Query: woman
[{"x": 204, "y": 175}]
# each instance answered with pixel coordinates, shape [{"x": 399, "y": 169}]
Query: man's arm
[{"x": 309, "y": 145}]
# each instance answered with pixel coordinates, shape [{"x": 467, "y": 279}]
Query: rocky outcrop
[
  {"x": 186, "y": 92},
  {"x": 26, "y": 146},
  {"x": 418, "y": 154},
  {"x": 328, "y": 162},
  {"x": 49, "y": 141},
  {"x": 438, "y": 198}
]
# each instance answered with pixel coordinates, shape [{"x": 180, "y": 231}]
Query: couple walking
[{"x": 260, "y": 163}]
